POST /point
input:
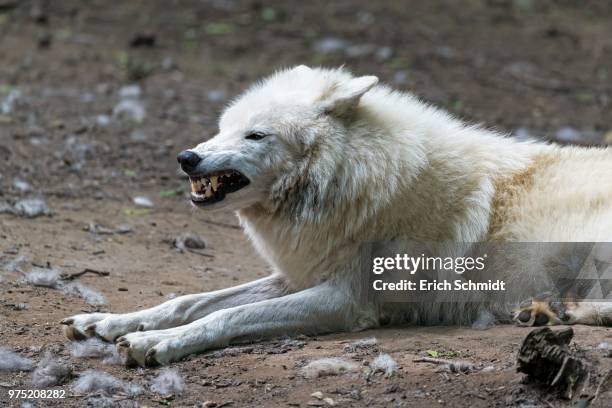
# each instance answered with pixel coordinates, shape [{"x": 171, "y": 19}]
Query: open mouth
[{"x": 212, "y": 188}]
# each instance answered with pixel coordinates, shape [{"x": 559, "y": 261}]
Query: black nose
[{"x": 188, "y": 160}]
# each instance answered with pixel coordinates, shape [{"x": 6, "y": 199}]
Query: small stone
[
  {"x": 330, "y": 45},
  {"x": 215, "y": 95},
  {"x": 384, "y": 53},
  {"x": 330, "y": 401},
  {"x": 143, "y": 202},
  {"x": 317, "y": 395},
  {"x": 22, "y": 186}
]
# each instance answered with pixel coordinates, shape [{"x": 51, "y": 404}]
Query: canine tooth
[
  {"x": 213, "y": 182},
  {"x": 208, "y": 192}
]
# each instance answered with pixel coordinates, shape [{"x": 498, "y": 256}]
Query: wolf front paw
[
  {"x": 147, "y": 349},
  {"x": 544, "y": 313},
  {"x": 76, "y": 327},
  {"x": 106, "y": 326}
]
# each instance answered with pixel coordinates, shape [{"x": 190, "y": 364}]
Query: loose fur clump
[
  {"x": 46, "y": 277},
  {"x": 460, "y": 366},
  {"x": 328, "y": 366},
  {"x": 484, "y": 321},
  {"x": 108, "y": 402},
  {"x": 168, "y": 382},
  {"x": 95, "y": 348},
  {"x": 385, "y": 363},
  {"x": 363, "y": 344},
  {"x": 11, "y": 361},
  {"x": 50, "y": 372},
  {"x": 90, "y": 296},
  {"x": 51, "y": 278},
  {"x": 93, "y": 381},
  {"x": 15, "y": 264}
]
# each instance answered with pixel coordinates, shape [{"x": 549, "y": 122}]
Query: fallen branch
[
  {"x": 72, "y": 276},
  {"x": 432, "y": 360},
  {"x": 199, "y": 253}
]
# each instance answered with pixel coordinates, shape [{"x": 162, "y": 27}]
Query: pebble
[
  {"x": 143, "y": 202},
  {"x": 22, "y": 186},
  {"x": 317, "y": 395}
]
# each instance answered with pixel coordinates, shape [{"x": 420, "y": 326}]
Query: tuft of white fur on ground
[
  {"x": 11, "y": 361},
  {"x": 108, "y": 402},
  {"x": 50, "y": 372},
  {"x": 93, "y": 381},
  {"x": 460, "y": 367},
  {"x": 362, "y": 344},
  {"x": 47, "y": 277},
  {"x": 328, "y": 366},
  {"x": 15, "y": 264},
  {"x": 89, "y": 295},
  {"x": 51, "y": 278},
  {"x": 385, "y": 363},
  {"x": 95, "y": 348},
  {"x": 168, "y": 382},
  {"x": 484, "y": 320}
]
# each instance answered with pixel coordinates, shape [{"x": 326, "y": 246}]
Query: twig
[
  {"x": 71, "y": 276},
  {"x": 432, "y": 360},
  {"x": 605, "y": 379},
  {"x": 199, "y": 253}
]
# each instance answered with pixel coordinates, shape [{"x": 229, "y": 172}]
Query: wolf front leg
[
  {"x": 321, "y": 309},
  {"x": 556, "y": 312},
  {"x": 175, "y": 312}
]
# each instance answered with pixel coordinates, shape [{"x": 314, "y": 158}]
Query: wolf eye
[{"x": 255, "y": 136}]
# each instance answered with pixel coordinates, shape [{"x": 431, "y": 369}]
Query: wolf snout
[{"x": 188, "y": 160}]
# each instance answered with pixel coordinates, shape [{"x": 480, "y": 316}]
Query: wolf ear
[{"x": 345, "y": 96}]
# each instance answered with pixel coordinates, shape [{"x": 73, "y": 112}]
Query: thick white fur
[{"x": 345, "y": 162}]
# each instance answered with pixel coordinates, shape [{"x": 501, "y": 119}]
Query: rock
[
  {"x": 523, "y": 134},
  {"x": 384, "y": 53},
  {"x": 400, "y": 77},
  {"x": 103, "y": 120},
  {"x": 10, "y": 102},
  {"x": 568, "y": 134},
  {"x": 131, "y": 110},
  {"x": 330, "y": 45},
  {"x": 138, "y": 135},
  {"x": 216, "y": 96},
  {"x": 317, "y": 395},
  {"x": 359, "y": 50},
  {"x": 130, "y": 92},
  {"x": 20, "y": 185},
  {"x": 143, "y": 201},
  {"x": 188, "y": 240},
  {"x": 129, "y": 106},
  {"x": 329, "y": 401}
]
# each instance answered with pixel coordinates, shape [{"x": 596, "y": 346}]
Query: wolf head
[{"x": 280, "y": 144}]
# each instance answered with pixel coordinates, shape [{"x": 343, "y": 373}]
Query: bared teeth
[
  {"x": 214, "y": 183},
  {"x": 208, "y": 193}
]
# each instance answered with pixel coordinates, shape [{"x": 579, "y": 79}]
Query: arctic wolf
[{"x": 317, "y": 162}]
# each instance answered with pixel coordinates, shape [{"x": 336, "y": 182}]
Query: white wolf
[{"x": 317, "y": 162}]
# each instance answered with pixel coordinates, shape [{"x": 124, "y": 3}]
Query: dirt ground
[{"x": 536, "y": 68}]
